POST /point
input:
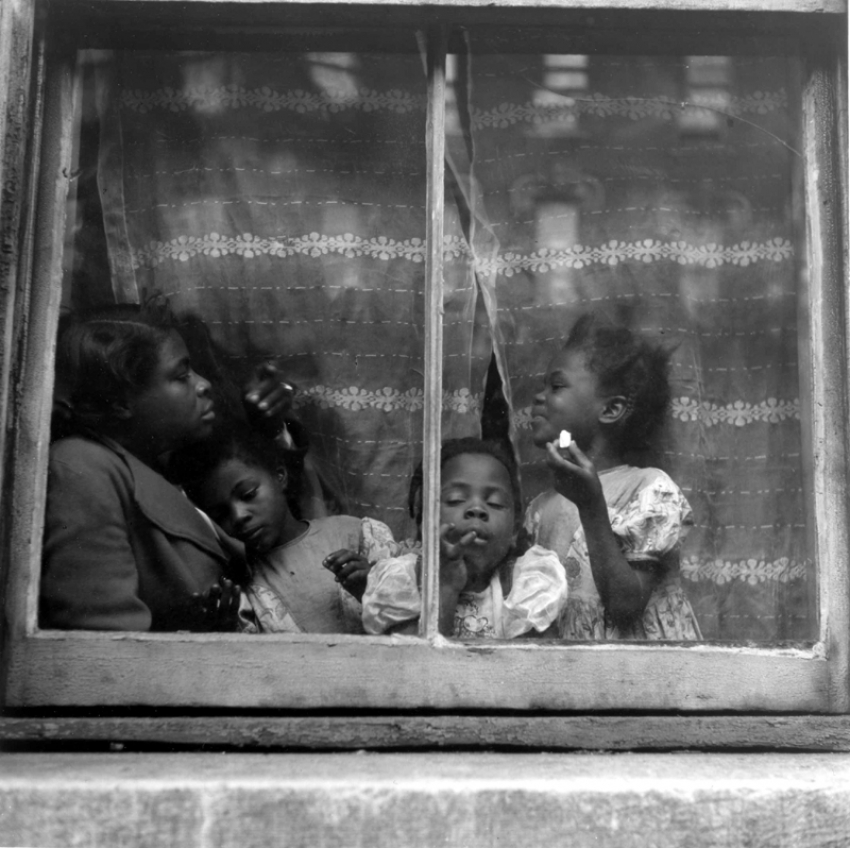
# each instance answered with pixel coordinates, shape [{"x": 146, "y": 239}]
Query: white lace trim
[
  {"x": 614, "y": 252},
  {"x": 387, "y": 399},
  {"x": 215, "y": 246},
  {"x": 752, "y": 571},
  {"x": 739, "y": 413},
  {"x": 383, "y": 248},
  {"x": 634, "y": 108},
  {"x": 266, "y": 99}
]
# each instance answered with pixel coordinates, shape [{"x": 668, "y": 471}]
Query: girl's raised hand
[
  {"x": 268, "y": 397},
  {"x": 351, "y": 570},
  {"x": 575, "y": 476},
  {"x": 219, "y": 606}
]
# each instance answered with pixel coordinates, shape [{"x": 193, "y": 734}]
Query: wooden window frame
[{"x": 306, "y": 675}]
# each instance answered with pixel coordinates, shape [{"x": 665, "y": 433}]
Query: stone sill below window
[{"x": 407, "y": 800}]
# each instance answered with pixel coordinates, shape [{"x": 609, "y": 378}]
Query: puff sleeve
[
  {"x": 655, "y": 522},
  {"x": 538, "y": 593},
  {"x": 392, "y": 594}
]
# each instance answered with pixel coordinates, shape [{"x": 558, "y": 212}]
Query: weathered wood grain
[
  {"x": 609, "y": 733},
  {"x": 306, "y": 672},
  {"x": 17, "y": 22},
  {"x": 825, "y": 248},
  {"x": 435, "y": 152}
]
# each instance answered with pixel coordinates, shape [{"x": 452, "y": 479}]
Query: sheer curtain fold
[{"x": 281, "y": 199}]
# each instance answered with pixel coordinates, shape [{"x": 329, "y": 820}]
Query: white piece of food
[{"x": 564, "y": 439}]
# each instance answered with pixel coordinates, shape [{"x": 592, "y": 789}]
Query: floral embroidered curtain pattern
[
  {"x": 281, "y": 199},
  {"x": 658, "y": 190}
]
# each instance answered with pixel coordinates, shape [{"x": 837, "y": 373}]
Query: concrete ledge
[{"x": 411, "y": 800}]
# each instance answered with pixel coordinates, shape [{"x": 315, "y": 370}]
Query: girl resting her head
[
  {"x": 490, "y": 587},
  {"x": 616, "y": 528},
  {"x": 305, "y": 576},
  {"x": 124, "y": 549}
]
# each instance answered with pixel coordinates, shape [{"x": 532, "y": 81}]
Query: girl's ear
[
  {"x": 616, "y": 409},
  {"x": 282, "y": 477}
]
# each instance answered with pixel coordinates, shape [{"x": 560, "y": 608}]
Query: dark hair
[
  {"x": 105, "y": 356},
  {"x": 452, "y": 448},
  {"x": 626, "y": 364},
  {"x": 234, "y": 442}
]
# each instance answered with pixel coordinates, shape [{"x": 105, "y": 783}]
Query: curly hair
[{"x": 626, "y": 364}]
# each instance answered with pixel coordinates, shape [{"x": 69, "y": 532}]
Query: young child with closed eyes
[{"x": 492, "y": 585}]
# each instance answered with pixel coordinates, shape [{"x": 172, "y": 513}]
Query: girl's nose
[
  {"x": 476, "y": 511},
  {"x": 240, "y": 514},
  {"x": 203, "y": 386}
]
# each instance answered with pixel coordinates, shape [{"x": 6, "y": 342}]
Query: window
[{"x": 579, "y": 169}]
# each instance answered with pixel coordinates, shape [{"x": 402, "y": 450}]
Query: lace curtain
[
  {"x": 658, "y": 190},
  {"x": 282, "y": 199}
]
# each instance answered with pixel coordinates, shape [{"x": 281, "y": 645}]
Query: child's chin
[{"x": 540, "y": 439}]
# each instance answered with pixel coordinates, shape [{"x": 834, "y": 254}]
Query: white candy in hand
[{"x": 564, "y": 439}]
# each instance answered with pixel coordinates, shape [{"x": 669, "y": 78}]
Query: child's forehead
[
  {"x": 480, "y": 468},
  {"x": 172, "y": 348}
]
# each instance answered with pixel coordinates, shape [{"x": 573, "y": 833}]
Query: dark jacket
[{"x": 124, "y": 549}]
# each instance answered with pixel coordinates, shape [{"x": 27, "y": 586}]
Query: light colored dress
[
  {"x": 650, "y": 516},
  {"x": 292, "y": 592},
  {"x": 536, "y": 598}
]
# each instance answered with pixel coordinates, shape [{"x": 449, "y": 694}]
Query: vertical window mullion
[
  {"x": 431, "y": 437},
  {"x": 825, "y": 261},
  {"x": 54, "y": 131}
]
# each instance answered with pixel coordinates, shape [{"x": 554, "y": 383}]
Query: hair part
[{"x": 627, "y": 364}]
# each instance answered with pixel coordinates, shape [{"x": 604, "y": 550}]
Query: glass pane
[
  {"x": 278, "y": 203},
  {"x": 658, "y": 193}
]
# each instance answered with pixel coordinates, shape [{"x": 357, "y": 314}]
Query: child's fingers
[
  {"x": 352, "y": 569},
  {"x": 452, "y": 542},
  {"x": 556, "y": 460},
  {"x": 333, "y": 562},
  {"x": 267, "y": 390}
]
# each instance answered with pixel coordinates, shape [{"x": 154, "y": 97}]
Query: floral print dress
[{"x": 650, "y": 516}]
